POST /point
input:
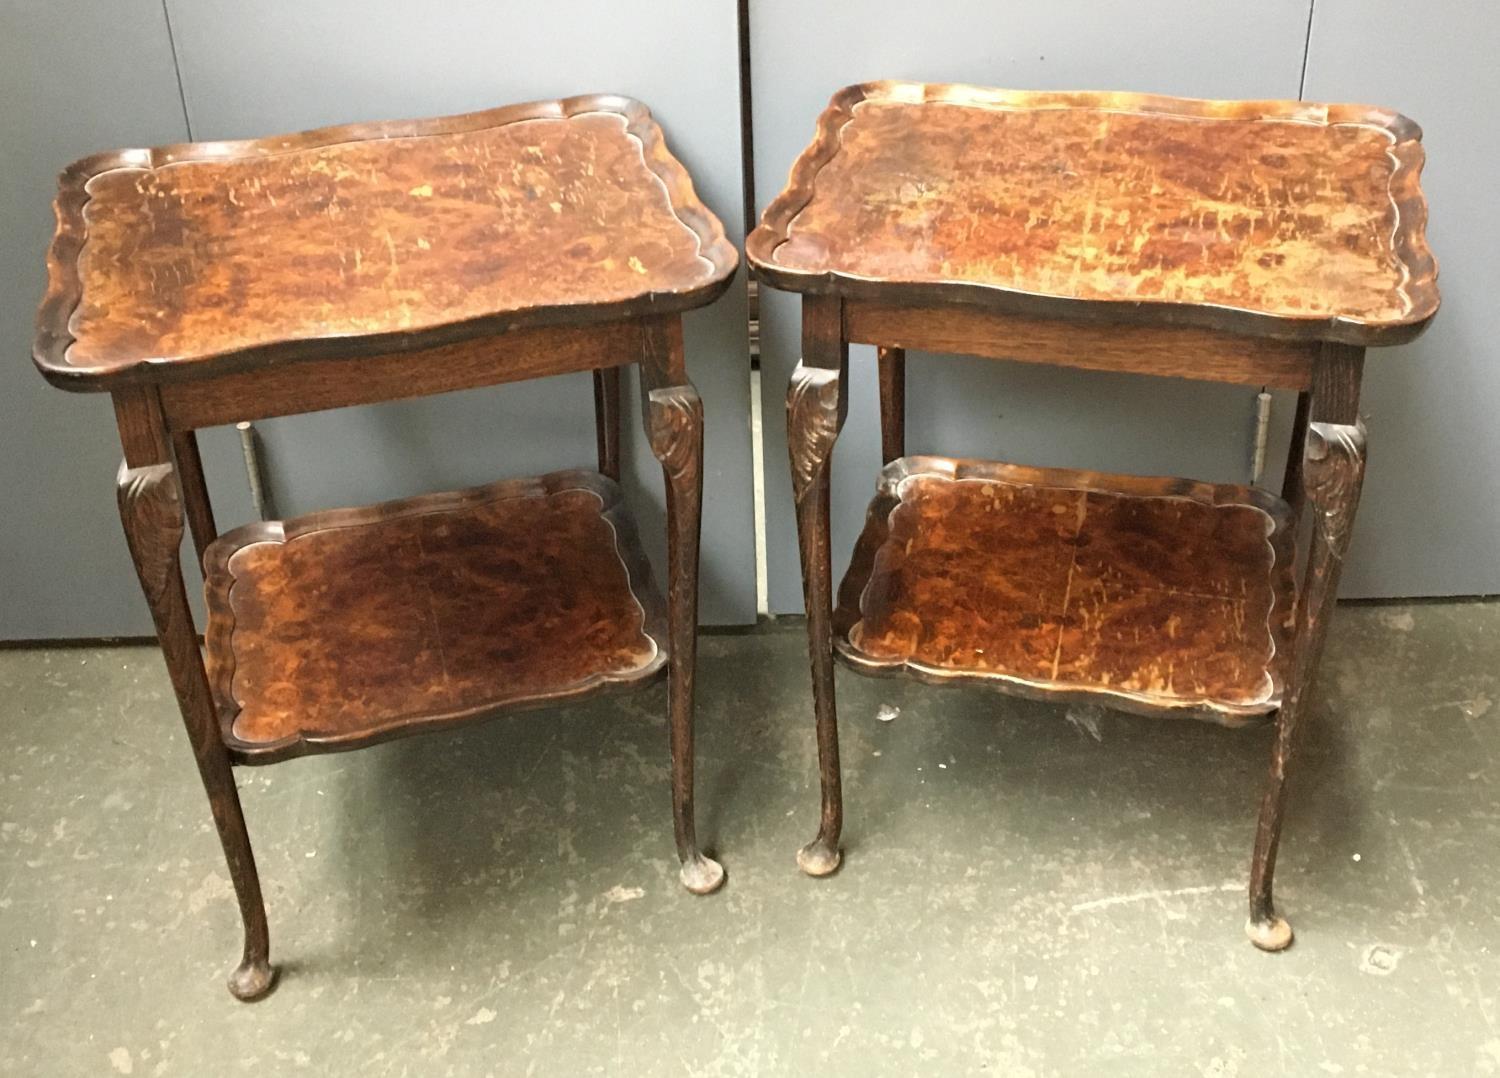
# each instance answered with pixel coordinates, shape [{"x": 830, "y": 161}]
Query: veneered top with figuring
[
  {"x": 1280, "y": 219},
  {"x": 370, "y": 238}
]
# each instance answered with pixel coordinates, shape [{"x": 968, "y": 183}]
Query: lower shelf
[
  {"x": 1153, "y": 595},
  {"x": 345, "y": 627}
]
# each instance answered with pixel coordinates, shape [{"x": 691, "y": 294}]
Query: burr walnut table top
[
  {"x": 1149, "y": 594},
  {"x": 344, "y": 627},
  {"x": 194, "y": 259},
  {"x": 1273, "y": 218}
]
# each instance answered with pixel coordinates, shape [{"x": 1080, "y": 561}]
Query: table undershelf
[
  {"x": 345, "y": 627},
  {"x": 1153, "y": 595}
]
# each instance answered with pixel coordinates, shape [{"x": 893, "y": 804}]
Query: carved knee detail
[
  {"x": 674, "y": 426},
  {"x": 151, "y": 512},
  {"x": 815, "y": 410},
  {"x": 1333, "y": 472}
]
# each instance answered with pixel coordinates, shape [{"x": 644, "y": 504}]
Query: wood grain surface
[
  {"x": 1160, "y": 350},
  {"x": 1276, "y": 218},
  {"x": 370, "y": 238},
  {"x": 314, "y": 384},
  {"x": 1158, "y": 594},
  {"x": 341, "y": 627}
]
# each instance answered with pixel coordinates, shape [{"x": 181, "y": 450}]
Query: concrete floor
[{"x": 1022, "y": 894}]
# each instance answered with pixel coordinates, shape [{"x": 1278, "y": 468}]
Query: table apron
[
  {"x": 311, "y": 385},
  {"x": 1167, "y": 351}
]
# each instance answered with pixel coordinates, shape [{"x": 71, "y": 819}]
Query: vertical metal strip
[
  {"x": 1306, "y": 49},
  {"x": 187, "y": 120}
]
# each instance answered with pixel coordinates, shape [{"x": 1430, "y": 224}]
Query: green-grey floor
[{"x": 1022, "y": 894}]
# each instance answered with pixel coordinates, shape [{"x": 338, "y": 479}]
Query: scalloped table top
[
  {"x": 1282, "y": 219},
  {"x": 370, "y": 238}
]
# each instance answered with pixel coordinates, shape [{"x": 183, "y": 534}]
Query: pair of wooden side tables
[{"x": 1256, "y": 243}]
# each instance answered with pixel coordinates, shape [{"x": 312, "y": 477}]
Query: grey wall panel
[
  {"x": 1430, "y": 518},
  {"x": 75, "y": 77},
  {"x": 260, "y": 67},
  {"x": 803, "y": 52}
]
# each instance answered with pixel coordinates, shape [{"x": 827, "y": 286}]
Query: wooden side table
[
  {"x": 1257, "y": 243},
  {"x": 207, "y": 283}
]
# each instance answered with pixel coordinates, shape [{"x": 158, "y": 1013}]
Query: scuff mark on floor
[
  {"x": 620, "y": 893},
  {"x": 1085, "y": 718},
  {"x": 1148, "y": 896},
  {"x": 1380, "y": 959}
]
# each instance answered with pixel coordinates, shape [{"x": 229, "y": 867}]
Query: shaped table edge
[
  {"x": 1410, "y": 241},
  {"x": 53, "y": 337}
]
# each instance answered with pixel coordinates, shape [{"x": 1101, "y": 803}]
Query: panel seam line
[
  {"x": 1312, "y": 6},
  {"x": 187, "y": 120}
]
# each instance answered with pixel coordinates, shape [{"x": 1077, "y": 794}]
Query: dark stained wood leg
[
  {"x": 1331, "y": 475},
  {"x": 673, "y": 415},
  {"x": 816, "y": 405},
  {"x": 200, "y": 513},
  {"x": 607, "y": 420},
  {"x": 150, "y": 503},
  {"x": 1291, "y": 485},
  {"x": 892, "y": 364}
]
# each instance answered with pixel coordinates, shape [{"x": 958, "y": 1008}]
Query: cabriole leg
[
  {"x": 200, "y": 514},
  {"x": 816, "y": 405},
  {"x": 151, "y": 511},
  {"x": 674, "y": 426},
  {"x": 607, "y": 420},
  {"x": 1291, "y": 486},
  {"x": 1333, "y": 472},
  {"x": 892, "y": 366}
]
